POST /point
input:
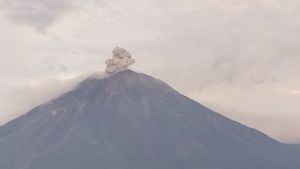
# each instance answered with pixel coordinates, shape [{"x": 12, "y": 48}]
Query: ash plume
[{"x": 120, "y": 61}]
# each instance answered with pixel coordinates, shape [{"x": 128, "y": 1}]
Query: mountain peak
[
  {"x": 125, "y": 81},
  {"x": 131, "y": 120}
]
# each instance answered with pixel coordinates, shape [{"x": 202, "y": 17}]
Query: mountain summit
[{"x": 130, "y": 120}]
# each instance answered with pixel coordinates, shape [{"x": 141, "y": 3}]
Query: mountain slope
[{"x": 132, "y": 121}]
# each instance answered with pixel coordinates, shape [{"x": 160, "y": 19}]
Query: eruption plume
[{"x": 120, "y": 61}]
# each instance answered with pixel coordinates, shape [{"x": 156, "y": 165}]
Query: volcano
[{"x": 130, "y": 120}]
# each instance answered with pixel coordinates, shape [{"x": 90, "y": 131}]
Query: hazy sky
[{"x": 239, "y": 57}]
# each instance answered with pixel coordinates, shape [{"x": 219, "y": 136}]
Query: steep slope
[{"x": 132, "y": 121}]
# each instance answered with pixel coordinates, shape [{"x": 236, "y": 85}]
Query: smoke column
[{"x": 120, "y": 61}]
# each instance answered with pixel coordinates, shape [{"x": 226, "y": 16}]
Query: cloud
[
  {"x": 39, "y": 14},
  {"x": 23, "y": 96},
  {"x": 292, "y": 92}
]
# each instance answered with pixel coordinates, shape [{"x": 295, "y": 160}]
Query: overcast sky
[{"x": 238, "y": 57}]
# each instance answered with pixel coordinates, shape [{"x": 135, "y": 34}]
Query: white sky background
[{"x": 239, "y": 57}]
